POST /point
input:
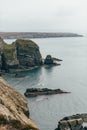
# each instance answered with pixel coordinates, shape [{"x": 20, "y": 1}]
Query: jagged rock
[
  {"x": 32, "y": 92},
  {"x": 49, "y": 60},
  {"x": 21, "y": 54},
  {"x": 74, "y": 122},
  {"x": 14, "y": 113}
]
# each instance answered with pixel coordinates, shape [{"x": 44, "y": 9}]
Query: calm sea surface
[{"x": 71, "y": 76}]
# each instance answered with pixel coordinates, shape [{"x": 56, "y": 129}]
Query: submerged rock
[
  {"x": 14, "y": 113},
  {"x": 32, "y": 92}
]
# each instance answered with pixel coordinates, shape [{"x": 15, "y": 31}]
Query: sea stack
[{"x": 21, "y": 54}]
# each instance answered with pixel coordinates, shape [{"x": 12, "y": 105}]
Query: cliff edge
[{"x": 14, "y": 113}]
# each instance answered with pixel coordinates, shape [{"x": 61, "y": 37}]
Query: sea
[{"x": 70, "y": 76}]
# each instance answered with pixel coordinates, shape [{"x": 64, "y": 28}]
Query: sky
[{"x": 43, "y": 16}]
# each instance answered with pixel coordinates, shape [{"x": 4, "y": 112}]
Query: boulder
[{"x": 14, "y": 112}]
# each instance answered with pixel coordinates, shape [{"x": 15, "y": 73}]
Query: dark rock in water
[
  {"x": 32, "y": 92},
  {"x": 19, "y": 76},
  {"x": 74, "y": 122},
  {"x": 49, "y": 60}
]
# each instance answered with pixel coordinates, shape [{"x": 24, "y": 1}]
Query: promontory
[{"x": 14, "y": 112}]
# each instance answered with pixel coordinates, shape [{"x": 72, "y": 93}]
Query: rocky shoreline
[
  {"x": 33, "y": 92},
  {"x": 22, "y": 55}
]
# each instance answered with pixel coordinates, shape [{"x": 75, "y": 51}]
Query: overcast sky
[{"x": 43, "y": 15}]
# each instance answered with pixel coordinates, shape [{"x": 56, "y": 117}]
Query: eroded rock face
[
  {"x": 14, "y": 113},
  {"x": 21, "y": 54},
  {"x": 28, "y": 53}
]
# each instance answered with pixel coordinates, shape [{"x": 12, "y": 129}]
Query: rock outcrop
[
  {"x": 32, "y": 92},
  {"x": 21, "y": 54},
  {"x": 74, "y": 122},
  {"x": 14, "y": 113},
  {"x": 49, "y": 60}
]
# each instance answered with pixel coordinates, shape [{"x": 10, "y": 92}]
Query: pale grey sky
[{"x": 43, "y": 15}]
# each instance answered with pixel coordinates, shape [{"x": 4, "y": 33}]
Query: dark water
[{"x": 71, "y": 76}]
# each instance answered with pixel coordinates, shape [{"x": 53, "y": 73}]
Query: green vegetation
[
  {"x": 9, "y": 51},
  {"x": 25, "y": 43}
]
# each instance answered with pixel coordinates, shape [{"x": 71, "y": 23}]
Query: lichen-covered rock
[
  {"x": 14, "y": 113},
  {"x": 74, "y": 122},
  {"x": 21, "y": 54}
]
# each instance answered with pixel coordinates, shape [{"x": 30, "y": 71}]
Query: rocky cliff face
[
  {"x": 28, "y": 53},
  {"x": 20, "y": 54},
  {"x": 14, "y": 113}
]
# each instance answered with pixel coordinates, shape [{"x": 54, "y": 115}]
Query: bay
[{"x": 71, "y": 76}]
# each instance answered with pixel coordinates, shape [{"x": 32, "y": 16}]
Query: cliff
[
  {"x": 14, "y": 113},
  {"x": 21, "y": 54}
]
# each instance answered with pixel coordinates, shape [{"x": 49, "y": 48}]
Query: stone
[
  {"x": 14, "y": 112},
  {"x": 32, "y": 92},
  {"x": 49, "y": 60},
  {"x": 74, "y": 122}
]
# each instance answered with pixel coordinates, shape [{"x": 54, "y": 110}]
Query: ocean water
[{"x": 70, "y": 76}]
